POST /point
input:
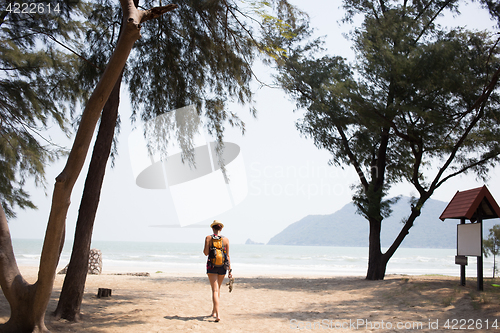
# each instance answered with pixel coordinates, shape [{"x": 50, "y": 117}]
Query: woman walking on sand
[{"x": 217, "y": 250}]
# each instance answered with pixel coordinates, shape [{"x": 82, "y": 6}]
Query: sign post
[
  {"x": 480, "y": 284},
  {"x": 462, "y": 267},
  {"x": 474, "y": 205}
]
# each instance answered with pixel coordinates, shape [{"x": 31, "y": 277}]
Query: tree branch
[
  {"x": 478, "y": 104},
  {"x": 352, "y": 157},
  {"x": 466, "y": 168},
  {"x": 150, "y": 14},
  {"x": 433, "y": 18},
  {"x": 69, "y": 49},
  {"x": 405, "y": 230},
  {"x": 416, "y": 166}
]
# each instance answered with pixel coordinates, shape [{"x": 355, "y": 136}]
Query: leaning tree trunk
[
  {"x": 71, "y": 296},
  {"x": 28, "y": 302}
]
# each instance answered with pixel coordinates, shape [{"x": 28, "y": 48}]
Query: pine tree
[
  {"x": 201, "y": 54},
  {"x": 417, "y": 96},
  {"x": 491, "y": 246},
  {"x": 28, "y": 302}
]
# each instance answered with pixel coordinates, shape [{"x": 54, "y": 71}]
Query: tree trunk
[
  {"x": 376, "y": 260},
  {"x": 494, "y": 264},
  {"x": 17, "y": 291},
  {"x": 72, "y": 291},
  {"x": 29, "y": 302}
]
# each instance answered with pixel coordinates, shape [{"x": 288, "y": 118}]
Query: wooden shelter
[{"x": 474, "y": 205}]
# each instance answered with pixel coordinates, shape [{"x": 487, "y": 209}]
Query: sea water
[{"x": 256, "y": 260}]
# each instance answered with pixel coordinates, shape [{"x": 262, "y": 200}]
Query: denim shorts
[{"x": 216, "y": 270}]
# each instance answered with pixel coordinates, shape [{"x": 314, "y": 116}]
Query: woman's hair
[{"x": 217, "y": 227}]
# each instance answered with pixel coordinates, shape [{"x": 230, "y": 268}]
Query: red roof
[{"x": 467, "y": 204}]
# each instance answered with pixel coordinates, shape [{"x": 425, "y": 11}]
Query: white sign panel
[{"x": 469, "y": 239}]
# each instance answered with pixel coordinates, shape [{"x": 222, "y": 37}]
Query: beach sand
[{"x": 165, "y": 302}]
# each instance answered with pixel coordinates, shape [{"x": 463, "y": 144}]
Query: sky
[{"x": 287, "y": 177}]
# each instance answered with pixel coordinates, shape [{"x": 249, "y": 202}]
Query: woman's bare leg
[
  {"x": 220, "y": 280},
  {"x": 215, "y": 284}
]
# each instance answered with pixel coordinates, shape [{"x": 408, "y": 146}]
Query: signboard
[
  {"x": 469, "y": 239},
  {"x": 461, "y": 260}
]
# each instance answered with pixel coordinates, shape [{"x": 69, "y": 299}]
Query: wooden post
[
  {"x": 103, "y": 292},
  {"x": 480, "y": 284},
  {"x": 462, "y": 267}
]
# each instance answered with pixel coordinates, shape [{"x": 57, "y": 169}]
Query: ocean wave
[{"x": 273, "y": 259}]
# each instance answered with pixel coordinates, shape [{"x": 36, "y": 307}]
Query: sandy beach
[{"x": 164, "y": 302}]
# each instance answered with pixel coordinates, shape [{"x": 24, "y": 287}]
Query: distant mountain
[
  {"x": 346, "y": 228},
  {"x": 251, "y": 242}
]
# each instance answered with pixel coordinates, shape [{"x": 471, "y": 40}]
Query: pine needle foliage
[
  {"x": 37, "y": 86},
  {"x": 201, "y": 54}
]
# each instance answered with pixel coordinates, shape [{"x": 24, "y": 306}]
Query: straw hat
[{"x": 215, "y": 222}]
